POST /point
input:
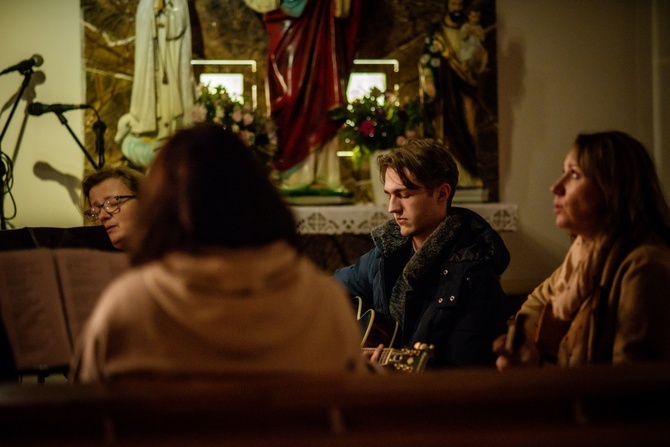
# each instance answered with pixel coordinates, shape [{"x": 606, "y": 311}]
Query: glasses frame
[{"x": 92, "y": 215}]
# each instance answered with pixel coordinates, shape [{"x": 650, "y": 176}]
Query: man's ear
[{"x": 443, "y": 192}]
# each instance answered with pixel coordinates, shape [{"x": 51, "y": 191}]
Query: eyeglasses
[{"x": 111, "y": 205}]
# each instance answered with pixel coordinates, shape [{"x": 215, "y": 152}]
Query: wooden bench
[{"x": 608, "y": 406}]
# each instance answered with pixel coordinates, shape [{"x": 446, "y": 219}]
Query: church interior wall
[{"x": 564, "y": 67}]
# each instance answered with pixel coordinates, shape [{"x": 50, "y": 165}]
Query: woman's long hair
[
  {"x": 206, "y": 189},
  {"x": 622, "y": 168}
]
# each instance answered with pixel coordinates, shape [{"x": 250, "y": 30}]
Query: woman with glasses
[
  {"x": 109, "y": 200},
  {"x": 218, "y": 284}
]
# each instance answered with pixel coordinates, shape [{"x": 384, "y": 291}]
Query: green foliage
[{"x": 378, "y": 121}]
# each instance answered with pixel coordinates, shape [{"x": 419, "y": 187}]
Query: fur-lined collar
[{"x": 463, "y": 236}]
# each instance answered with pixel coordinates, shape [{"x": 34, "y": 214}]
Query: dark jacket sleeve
[{"x": 358, "y": 278}]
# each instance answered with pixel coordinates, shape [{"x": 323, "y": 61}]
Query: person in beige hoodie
[{"x": 218, "y": 284}]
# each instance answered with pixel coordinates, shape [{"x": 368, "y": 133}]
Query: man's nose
[{"x": 393, "y": 205}]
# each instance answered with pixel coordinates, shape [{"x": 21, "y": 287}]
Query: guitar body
[
  {"x": 550, "y": 333},
  {"x": 378, "y": 331}
]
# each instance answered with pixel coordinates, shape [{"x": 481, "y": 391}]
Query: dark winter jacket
[{"x": 451, "y": 288}]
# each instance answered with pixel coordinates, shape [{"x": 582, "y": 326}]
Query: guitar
[
  {"x": 405, "y": 359},
  {"x": 378, "y": 331},
  {"x": 550, "y": 333},
  {"x": 547, "y": 334}
]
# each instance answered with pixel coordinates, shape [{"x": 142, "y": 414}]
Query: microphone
[
  {"x": 26, "y": 65},
  {"x": 37, "y": 108}
]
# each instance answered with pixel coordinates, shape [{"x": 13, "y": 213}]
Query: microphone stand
[
  {"x": 81, "y": 146},
  {"x": 99, "y": 128},
  {"x": 6, "y": 174}
]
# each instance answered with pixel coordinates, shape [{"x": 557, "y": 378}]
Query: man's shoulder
[{"x": 476, "y": 240}]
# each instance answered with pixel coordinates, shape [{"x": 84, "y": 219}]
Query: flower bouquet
[
  {"x": 258, "y": 131},
  {"x": 379, "y": 121}
]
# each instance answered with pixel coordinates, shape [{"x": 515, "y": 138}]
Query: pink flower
[
  {"x": 410, "y": 133},
  {"x": 246, "y": 137},
  {"x": 199, "y": 113},
  {"x": 367, "y": 128},
  {"x": 247, "y": 118},
  {"x": 400, "y": 141}
]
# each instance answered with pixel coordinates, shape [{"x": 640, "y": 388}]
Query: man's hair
[
  {"x": 621, "y": 167},
  {"x": 206, "y": 189},
  {"x": 130, "y": 177},
  {"x": 421, "y": 162}
]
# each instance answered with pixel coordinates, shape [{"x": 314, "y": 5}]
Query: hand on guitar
[
  {"x": 374, "y": 355},
  {"x": 403, "y": 359},
  {"x": 516, "y": 348}
]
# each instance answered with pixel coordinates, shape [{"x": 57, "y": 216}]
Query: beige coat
[
  {"x": 626, "y": 320},
  {"x": 265, "y": 310}
]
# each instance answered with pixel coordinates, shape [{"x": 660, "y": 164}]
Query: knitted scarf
[{"x": 579, "y": 277}]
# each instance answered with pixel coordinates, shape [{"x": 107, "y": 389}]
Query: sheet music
[
  {"x": 31, "y": 309},
  {"x": 46, "y": 296},
  {"x": 84, "y": 274}
]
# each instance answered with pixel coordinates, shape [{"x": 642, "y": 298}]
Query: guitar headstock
[{"x": 408, "y": 359}]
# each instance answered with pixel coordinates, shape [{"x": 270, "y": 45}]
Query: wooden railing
[{"x": 599, "y": 406}]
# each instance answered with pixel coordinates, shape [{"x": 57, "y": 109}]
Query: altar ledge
[{"x": 361, "y": 219}]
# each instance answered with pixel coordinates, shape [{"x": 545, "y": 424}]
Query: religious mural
[{"x": 446, "y": 52}]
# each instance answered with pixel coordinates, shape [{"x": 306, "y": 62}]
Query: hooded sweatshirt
[{"x": 253, "y": 310}]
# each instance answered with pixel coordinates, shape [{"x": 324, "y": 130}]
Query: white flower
[{"x": 435, "y": 62}]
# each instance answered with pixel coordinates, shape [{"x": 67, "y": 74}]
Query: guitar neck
[
  {"x": 405, "y": 359},
  {"x": 386, "y": 355}
]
